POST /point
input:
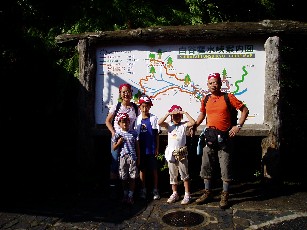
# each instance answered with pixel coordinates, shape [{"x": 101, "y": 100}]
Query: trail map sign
[{"x": 177, "y": 74}]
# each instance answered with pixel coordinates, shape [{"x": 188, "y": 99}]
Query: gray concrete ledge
[{"x": 253, "y": 130}]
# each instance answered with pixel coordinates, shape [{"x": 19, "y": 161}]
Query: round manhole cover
[{"x": 183, "y": 219}]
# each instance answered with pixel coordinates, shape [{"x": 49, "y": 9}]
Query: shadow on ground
[{"x": 96, "y": 205}]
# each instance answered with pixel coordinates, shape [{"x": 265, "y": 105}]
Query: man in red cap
[{"x": 218, "y": 120}]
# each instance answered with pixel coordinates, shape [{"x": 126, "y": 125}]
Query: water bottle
[{"x": 219, "y": 138}]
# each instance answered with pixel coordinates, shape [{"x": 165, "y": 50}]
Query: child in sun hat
[
  {"x": 148, "y": 131},
  {"x": 125, "y": 141},
  {"x": 176, "y": 129}
]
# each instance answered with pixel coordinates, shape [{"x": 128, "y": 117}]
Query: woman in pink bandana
[{"x": 126, "y": 106}]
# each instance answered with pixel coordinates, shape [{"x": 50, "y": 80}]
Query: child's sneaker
[
  {"x": 173, "y": 198},
  {"x": 156, "y": 195},
  {"x": 186, "y": 200}
]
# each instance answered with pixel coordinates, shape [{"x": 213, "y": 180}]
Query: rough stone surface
[{"x": 253, "y": 206}]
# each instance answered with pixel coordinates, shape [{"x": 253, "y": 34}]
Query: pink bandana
[
  {"x": 175, "y": 107},
  {"x": 123, "y": 85},
  {"x": 121, "y": 116},
  {"x": 214, "y": 75}
]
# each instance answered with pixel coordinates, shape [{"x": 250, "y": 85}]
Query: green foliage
[
  {"x": 45, "y": 21},
  {"x": 258, "y": 174},
  {"x": 70, "y": 64},
  {"x": 204, "y": 11},
  {"x": 269, "y": 5},
  {"x": 161, "y": 158}
]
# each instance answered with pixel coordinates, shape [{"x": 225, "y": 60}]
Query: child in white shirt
[{"x": 176, "y": 129}]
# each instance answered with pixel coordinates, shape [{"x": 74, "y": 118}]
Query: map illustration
[{"x": 177, "y": 74}]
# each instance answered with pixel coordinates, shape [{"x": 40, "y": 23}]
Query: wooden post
[{"x": 271, "y": 144}]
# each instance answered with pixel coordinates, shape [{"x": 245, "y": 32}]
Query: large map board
[{"x": 177, "y": 74}]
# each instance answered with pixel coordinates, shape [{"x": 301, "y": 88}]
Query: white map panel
[{"x": 177, "y": 74}]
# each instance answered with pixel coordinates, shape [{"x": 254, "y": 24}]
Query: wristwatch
[{"x": 239, "y": 126}]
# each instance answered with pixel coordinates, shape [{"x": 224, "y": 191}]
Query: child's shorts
[
  {"x": 127, "y": 168},
  {"x": 180, "y": 167}
]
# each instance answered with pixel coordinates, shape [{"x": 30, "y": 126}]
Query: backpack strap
[
  {"x": 232, "y": 110},
  {"x": 115, "y": 112},
  {"x": 205, "y": 102},
  {"x": 206, "y": 99},
  {"x": 136, "y": 109},
  {"x": 227, "y": 101}
]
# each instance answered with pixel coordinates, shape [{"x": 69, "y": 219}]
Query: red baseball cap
[{"x": 145, "y": 99}]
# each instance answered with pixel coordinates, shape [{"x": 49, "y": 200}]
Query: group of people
[{"x": 135, "y": 143}]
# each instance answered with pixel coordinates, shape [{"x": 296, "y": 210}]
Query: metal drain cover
[{"x": 183, "y": 219}]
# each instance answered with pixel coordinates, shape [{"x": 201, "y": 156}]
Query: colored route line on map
[
  {"x": 236, "y": 92},
  {"x": 147, "y": 78},
  {"x": 195, "y": 91}
]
